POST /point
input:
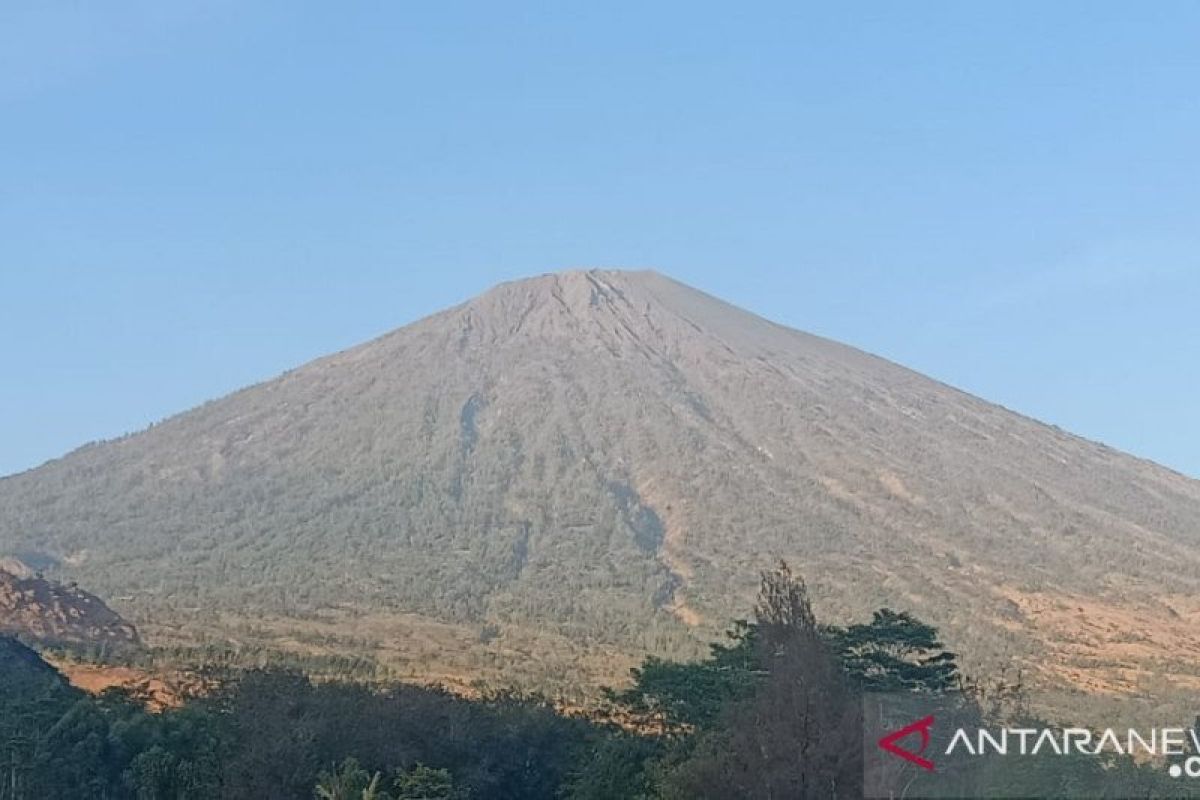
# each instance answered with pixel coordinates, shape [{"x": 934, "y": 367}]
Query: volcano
[{"x": 572, "y": 470}]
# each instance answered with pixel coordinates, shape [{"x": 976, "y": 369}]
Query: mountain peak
[
  {"x": 638, "y": 312},
  {"x": 582, "y": 305},
  {"x": 580, "y": 291}
]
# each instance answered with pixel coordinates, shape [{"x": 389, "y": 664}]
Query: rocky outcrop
[{"x": 39, "y": 610}]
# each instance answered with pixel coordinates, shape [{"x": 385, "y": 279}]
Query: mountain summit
[{"x": 594, "y": 464}]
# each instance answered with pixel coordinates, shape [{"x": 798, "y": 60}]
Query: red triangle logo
[{"x": 921, "y": 726}]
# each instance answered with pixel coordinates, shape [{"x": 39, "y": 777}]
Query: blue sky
[{"x": 196, "y": 196}]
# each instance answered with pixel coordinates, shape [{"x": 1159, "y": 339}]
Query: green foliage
[
  {"x": 772, "y": 712},
  {"x": 425, "y": 783},
  {"x": 349, "y": 781},
  {"x": 618, "y": 764},
  {"x": 287, "y": 729},
  {"x": 797, "y": 734},
  {"x": 57, "y": 742},
  {"x": 682, "y": 696},
  {"x": 895, "y": 652}
]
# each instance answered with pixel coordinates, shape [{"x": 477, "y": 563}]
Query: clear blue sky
[{"x": 196, "y": 196}]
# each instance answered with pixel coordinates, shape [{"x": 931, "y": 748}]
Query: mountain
[
  {"x": 24, "y": 675},
  {"x": 46, "y": 612},
  {"x": 574, "y": 469}
]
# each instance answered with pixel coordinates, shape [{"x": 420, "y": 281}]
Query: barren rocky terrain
[{"x": 42, "y": 611}]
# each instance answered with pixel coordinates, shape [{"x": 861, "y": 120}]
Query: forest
[{"x": 774, "y": 711}]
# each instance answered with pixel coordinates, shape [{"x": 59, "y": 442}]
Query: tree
[
  {"x": 616, "y": 765},
  {"x": 799, "y": 734},
  {"x": 895, "y": 652},
  {"x": 349, "y": 781},
  {"x": 152, "y": 774},
  {"x": 676, "y": 698},
  {"x": 424, "y": 783}
]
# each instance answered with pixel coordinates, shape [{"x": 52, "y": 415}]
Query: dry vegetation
[{"x": 576, "y": 469}]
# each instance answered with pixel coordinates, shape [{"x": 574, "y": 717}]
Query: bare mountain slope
[{"x": 607, "y": 459}]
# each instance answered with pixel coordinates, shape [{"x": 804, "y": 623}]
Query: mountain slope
[
  {"x": 24, "y": 676},
  {"x": 48, "y": 613},
  {"x": 607, "y": 459}
]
